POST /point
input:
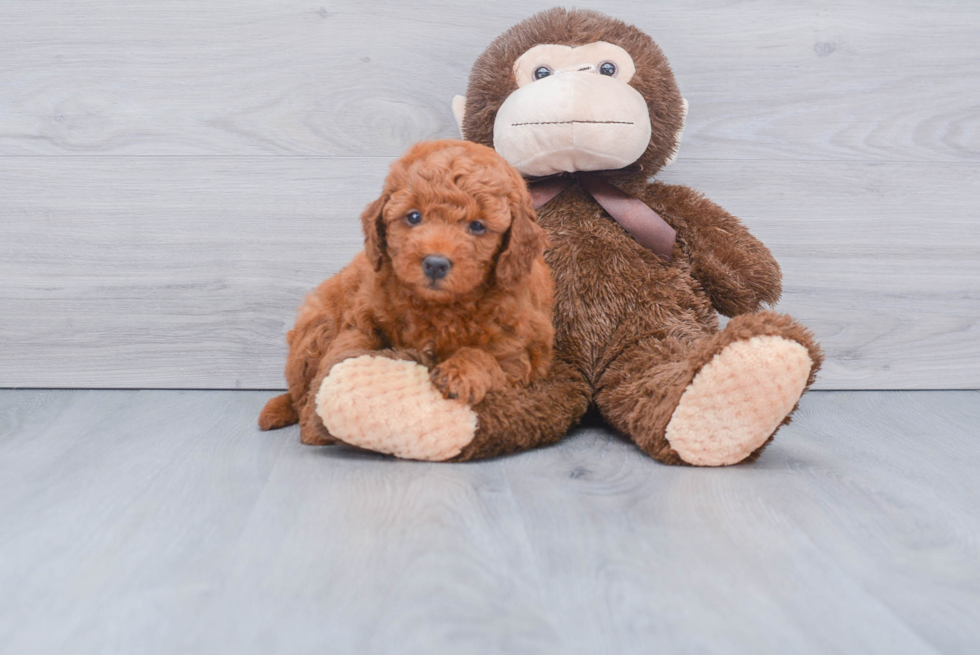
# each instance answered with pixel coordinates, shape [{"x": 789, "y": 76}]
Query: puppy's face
[{"x": 448, "y": 212}]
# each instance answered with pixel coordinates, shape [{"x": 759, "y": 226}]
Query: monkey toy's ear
[
  {"x": 678, "y": 134},
  {"x": 459, "y": 112},
  {"x": 373, "y": 224}
]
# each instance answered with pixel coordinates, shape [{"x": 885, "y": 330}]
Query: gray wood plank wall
[{"x": 175, "y": 175}]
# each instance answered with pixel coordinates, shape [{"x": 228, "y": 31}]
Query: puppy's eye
[
  {"x": 413, "y": 217},
  {"x": 476, "y": 227},
  {"x": 541, "y": 72},
  {"x": 607, "y": 68}
]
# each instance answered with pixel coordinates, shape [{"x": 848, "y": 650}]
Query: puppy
[{"x": 452, "y": 276}]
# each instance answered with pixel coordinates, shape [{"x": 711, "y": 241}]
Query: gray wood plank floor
[{"x": 164, "y": 522}]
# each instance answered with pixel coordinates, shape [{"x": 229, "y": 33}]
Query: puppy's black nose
[{"x": 435, "y": 267}]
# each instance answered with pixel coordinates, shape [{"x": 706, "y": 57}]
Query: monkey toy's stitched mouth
[{"x": 568, "y": 122}]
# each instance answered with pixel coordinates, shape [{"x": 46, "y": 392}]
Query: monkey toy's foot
[
  {"x": 738, "y": 400},
  {"x": 390, "y": 406}
]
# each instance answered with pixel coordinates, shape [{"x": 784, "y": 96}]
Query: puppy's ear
[
  {"x": 524, "y": 241},
  {"x": 372, "y": 221}
]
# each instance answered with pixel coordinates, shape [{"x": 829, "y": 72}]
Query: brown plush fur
[
  {"x": 484, "y": 327},
  {"x": 632, "y": 330}
]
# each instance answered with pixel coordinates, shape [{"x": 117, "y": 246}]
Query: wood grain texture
[
  {"x": 854, "y": 81},
  {"x": 168, "y": 272},
  {"x": 175, "y": 175},
  {"x": 162, "y": 522}
]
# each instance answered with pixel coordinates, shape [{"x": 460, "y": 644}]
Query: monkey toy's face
[
  {"x": 569, "y": 91},
  {"x": 573, "y": 110}
]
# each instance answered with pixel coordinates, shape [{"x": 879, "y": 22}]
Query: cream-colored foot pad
[
  {"x": 737, "y": 400},
  {"x": 390, "y": 406}
]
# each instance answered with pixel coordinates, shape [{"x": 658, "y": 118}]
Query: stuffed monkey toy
[{"x": 587, "y": 109}]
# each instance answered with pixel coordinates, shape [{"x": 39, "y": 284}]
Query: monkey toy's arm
[{"x": 736, "y": 270}]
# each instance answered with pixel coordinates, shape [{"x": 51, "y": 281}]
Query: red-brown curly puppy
[{"x": 452, "y": 274}]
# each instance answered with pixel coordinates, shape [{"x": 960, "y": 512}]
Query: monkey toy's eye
[
  {"x": 413, "y": 217},
  {"x": 607, "y": 68},
  {"x": 476, "y": 227},
  {"x": 541, "y": 72}
]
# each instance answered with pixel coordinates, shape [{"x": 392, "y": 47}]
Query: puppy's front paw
[{"x": 458, "y": 381}]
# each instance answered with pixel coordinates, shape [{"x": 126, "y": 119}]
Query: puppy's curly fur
[{"x": 485, "y": 325}]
